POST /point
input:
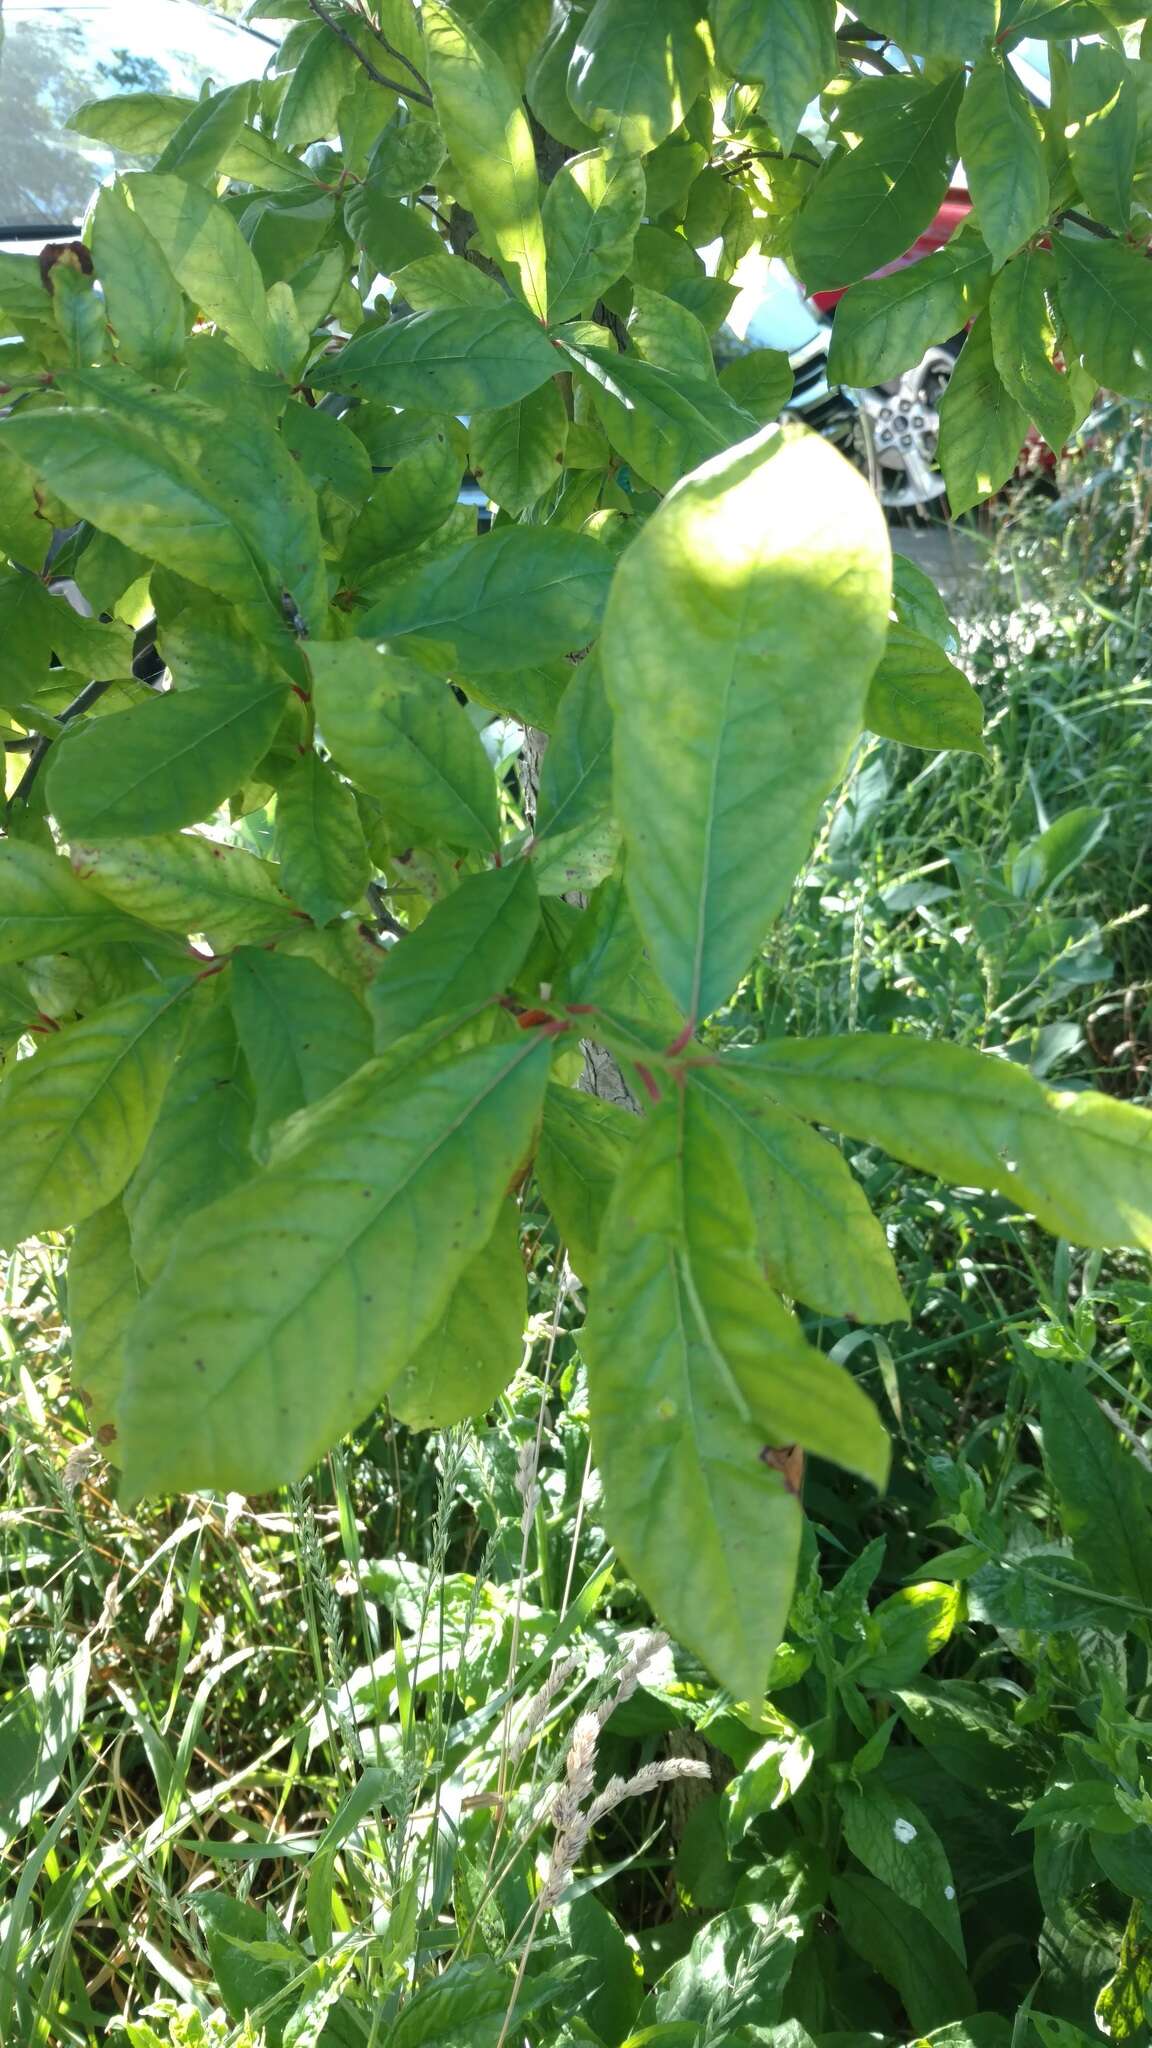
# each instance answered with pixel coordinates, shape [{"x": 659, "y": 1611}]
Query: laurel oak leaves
[{"x": 746, "y": 620}]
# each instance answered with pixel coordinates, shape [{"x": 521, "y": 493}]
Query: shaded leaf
[
  {"x": 302, "y": 1033},
  {"x": 465, "y": 1363},
  {"x": 467, "y": 952},
  {"x": 199, "y": 1144},
  {"x": 533, "y": 591},
  {"x": 919, "y": 697},
  {"x": 1002, "y": 144},
  {"x": 320, "y": 845},
  {"x": 870, "y": 205}
]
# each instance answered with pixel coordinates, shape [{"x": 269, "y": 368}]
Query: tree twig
[
  {"x": 409, "y": 92},
  {"x": 381, "y": 38},
  {"x": 1091, "y": 227},
  {"x": 89, "y": 695}
]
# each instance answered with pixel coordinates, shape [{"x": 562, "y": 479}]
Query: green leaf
[
  {"x": 401, "y": 736},
  {"x": 592, "y": 210},
  {"x": 390, "y": 232},
  {"x": 208, "y": 256},
  {"x": 662, "y": 425},
  {"x": 130, "y": 485},
  {"x": 1103, "y": 1494},
  {"x": 918, "y": 604},
  {"x": 695, "y": 1367},
  {"x": 37, "y": 1731},
  {"x": 1024, "y": 339},
  {"x": 919, "y": 697},
  {"x": 138, "y": 123},
  {"x": 1002, "y": 144},
  {"x": 407, "y": 155},
  {"x": 45, "y": 908},
  {"x": 328, "y": 452},
  {"x": 924, "y": 29},
  {"x": 903, "y": 1947},
  {"x": 490, "y": 143},
  {"x": 75, "y": 1118},
  {"x": 301, "y": 1031},
  {"x": 583, "y": 1146},
  {"x": 436, "y": 284},
  {"x": 668, "y": 335},
  {"x": 207, "y": 132},
  {"x": 817, "y": 1238},
  {"x": 636, "y": 68},
  {"x": 897, "y": 1844},
  {"x": 324, "y": 864},
  {"x": 409, "y": 504},
  {"x": 753, "y": 1947},
  {"x": 787, "y": 47},
  {"x": 466, "y": 1362},
  {"x": 467, "y": 952},
  {"x": 967, "y": 1734},
  {"x": 576, "y": 774},
  {"x": 760, "y": 382},
  {"x": 887, "y": 324},
  {"x": 457, "y": 361},
  {"x": 718, "y": 629},
  {"x": 170, "y": 760},
  {"x": 527, "y": 590},
  {"x": 103, "y": 1289},
  {"x": 1102, "y": 132},
  {"x": 531, "y": 695},
  {"x": 190, "y": 884},
  {"x": 869, "y": 206},
  {"x": 199, "y": 1144},
  {"x": 774, "y": 1772},
  {"x": 606, "y": 966},
  {"x": 1082, "y": 1163},
  {"x": 144, "y": 303},
  {"x": 982, "y": 426},
  {"x": 401, "y": 1171},
  {"x": 1106, "y": 299},
  {"x": 517, "y": 453}
]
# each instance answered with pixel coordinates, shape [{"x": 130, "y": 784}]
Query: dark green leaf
[
  {"x": 457, "y": 361},
  {"x": 301, "y": 1031},
  {"x": 636, "y": 69},
  {"x": 787, "y": 47},
  {"x": 526, "y": 590},
  {"x": 905, "y": 1948},
  {"x": 982, "y": 426},
  {"x": 199, "y": 1144},
  {"x": 869, "y": 206},
  {"x": 887, "y": 324},
  {"x": 1106, "y": 300},
  {"x": 467, "y": 952},
  {"x": 919, "y": 697},
  {"x": 1002, "y": 144}
]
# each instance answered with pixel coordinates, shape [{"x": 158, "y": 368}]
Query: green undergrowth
[{"x": 394, "y": 1757}]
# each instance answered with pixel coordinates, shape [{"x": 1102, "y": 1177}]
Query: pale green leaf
[
  {"x": 576, "y": 773},
  {"x": 887, "y": 324},
  {"x": 324, "y": 75},
  {"x": 103, "y": 1289},
  {"x": 490, "y": 143},
  {"x": 760, "y": 382},
  {"x": 583, "y": 1146},
  {"x": 592, "y": 210},
  {"x": 816, "y": 1235},
  {"x": 199, "y": 1145},
  {"x": 668, "y": 335},
  {"x": 301, "y": 1031},
  {"x": 45, "y": 908},
  {"x": 517, "y": 453},
  {"x": 1106, "y": 300},
  {"x": 919, "y": 697},
  {"x": 320, "y": 845},
  {"x": 187, "y": 883},
  {"x": 455, "y": 361},
  {"x": 401, "y": 735},
  {"x": 467, "y": 1360},
  {"x": 1082, "y": 1163},
  {"x": 982, "y": 426},
  {"x": 208, "y": 256},
  {"x": 771, "y": 1776},
  {"x": 608, "y": 967},
  {"x": 718, "y": 630},
  {"x": 636, "y": 68},
  {"x": 918, "y": 604},
  {"x": 869, "y": 206},
  {"x": 787, "y": 47},
  {"x": 546, "y": 84},
  {"x": 525, "y": 591},
  {"x": 1102, "y": 132},
  {"x": 329, "y": 454},
  {"x": 75, "y": 1118},
  {"x": 467, "y": 952},
  {"x": 662, "y": 425},
  {"x": 1024, "y": 339},
  {"x": 169, "y": 761},
  {"x": 409, "y": 504},
  {"x": 345, "y": 1249},
  {"x": 207, "y": 132},
  {"x": 695, "y": 1368},
  {"x": 924, "y": 28},
  {"x": 1002, "y": 144},
  {"x": 138, "y": 123},
  {"x": 438, "y": 284},
  {"x": 144, "y": 304}
]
